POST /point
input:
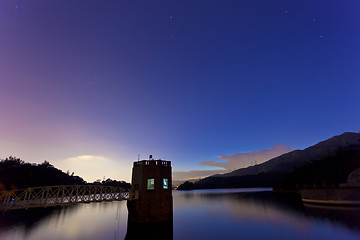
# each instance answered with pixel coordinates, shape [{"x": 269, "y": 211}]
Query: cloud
[
  {"x": 92, "y": 167},
  {"x": 241, "y": 160},
  {"x": 194, "y": 174}
]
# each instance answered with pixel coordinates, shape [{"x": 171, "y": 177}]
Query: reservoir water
[{"x": 201, "y": 214}]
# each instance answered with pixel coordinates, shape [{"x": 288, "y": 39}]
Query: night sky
[{"x": 88, "y": 85}]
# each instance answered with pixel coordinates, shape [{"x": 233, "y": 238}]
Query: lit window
[
  {"x": 165, "y": 183},
  {"x": 150, "y": 184}
]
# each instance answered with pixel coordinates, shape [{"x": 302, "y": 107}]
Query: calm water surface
[{"x": 203, "y": 214}]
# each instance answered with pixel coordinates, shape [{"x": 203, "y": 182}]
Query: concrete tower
[
  {"x": 152, "y": 182},
  {"x": 151, "y": 212}
]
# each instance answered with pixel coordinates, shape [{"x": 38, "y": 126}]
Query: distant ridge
[
  {"x": 17, "y": 174},
  {"x": 288, "y": 161},
  {"x": 273, "y": 170}
]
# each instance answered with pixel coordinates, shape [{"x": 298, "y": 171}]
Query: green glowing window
[
  {"x": 150, "y": 184},
  {"x": 165, "y": 183}
]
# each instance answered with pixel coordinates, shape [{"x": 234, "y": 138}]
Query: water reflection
[
  {"x": 105, "y": 220},
  {"x": 150, "y": 217},
  {"x": 347, "y": 216},
  {"x": 211, "y": 214},
  {"x": 252, "y": 215},
  {"x": 156, "y": 230},
  {"x": 29, "y": 219}
]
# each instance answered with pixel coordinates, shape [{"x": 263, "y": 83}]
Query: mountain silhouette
[{"x": 274, "y": 170}]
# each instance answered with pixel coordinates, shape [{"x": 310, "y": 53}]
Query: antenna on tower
[{"x": 138, "y": 157}]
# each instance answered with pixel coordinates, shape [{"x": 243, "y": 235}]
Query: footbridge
[{"x": 61, "y": 195}]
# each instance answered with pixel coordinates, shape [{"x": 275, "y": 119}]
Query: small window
[
  {"x": 150, "y": 184},
  {"x": 165, "y": 183}
]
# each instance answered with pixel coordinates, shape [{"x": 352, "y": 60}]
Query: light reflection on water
[
  {"x": 254, "y": 215},
  {"x": 202, "y": 214},
  {"x": 106, "y": 220}
]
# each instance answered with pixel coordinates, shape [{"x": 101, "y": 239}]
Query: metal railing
[
  {"x": 61, "y": 195},
  {"x": 153, "y": 163}
]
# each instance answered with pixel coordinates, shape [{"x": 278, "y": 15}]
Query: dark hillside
[
  {"x": 329, "y": 171},
  {"x": 248, "y": 181},
  {"x": 340, "y": 152},
  {"x": 289, "y": 161},
  {"x": 16, "y": 174}
]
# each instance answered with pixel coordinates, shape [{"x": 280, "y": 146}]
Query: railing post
[
  {"x": 62, "y": 195},
  {"x": 47, "y": 195},
  {"x": 27, "y": 198},
  {"x": 42, "y": 197}
]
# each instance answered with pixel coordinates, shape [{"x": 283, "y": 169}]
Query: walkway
[{"x": 61, "y": 195}]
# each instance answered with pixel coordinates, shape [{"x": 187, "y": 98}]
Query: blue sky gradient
[{"x": 185, "y": 80}]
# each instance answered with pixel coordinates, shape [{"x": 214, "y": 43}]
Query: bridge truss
[{"x": 61, "y": 195}]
